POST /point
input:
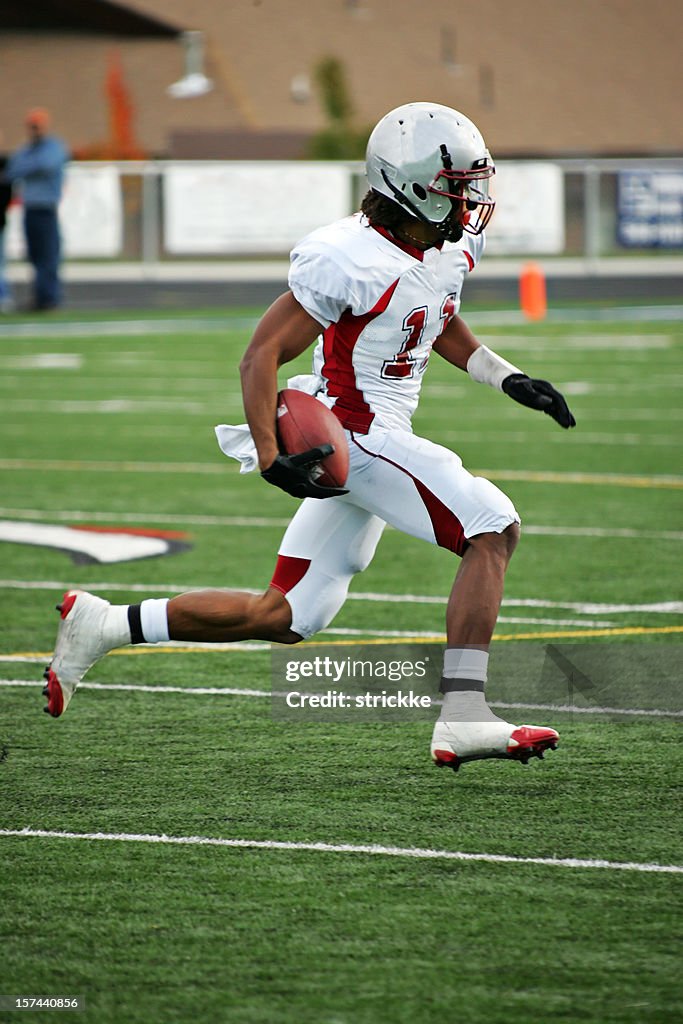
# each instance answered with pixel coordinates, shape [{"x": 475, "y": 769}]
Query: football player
[{"x": 377, "y": 293}]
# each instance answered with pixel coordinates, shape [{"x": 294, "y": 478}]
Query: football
[{"x": 302, "y": 423}]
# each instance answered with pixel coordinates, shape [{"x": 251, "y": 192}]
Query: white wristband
[{"x": 486, "y": 367}]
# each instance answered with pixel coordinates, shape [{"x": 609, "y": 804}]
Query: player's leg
[
  {"x": 467, "y": 726},
  {"x": 326, "y": 543},
  {"x": 226, "y": 616},
  {"x": 422, "y": 488},
  {"x": 90, "y": 627},
  {"x": 474, "y": 601},
  {"x": 322, "y": 550}
]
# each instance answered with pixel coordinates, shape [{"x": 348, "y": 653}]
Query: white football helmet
[{"x": 423, "y": 156}]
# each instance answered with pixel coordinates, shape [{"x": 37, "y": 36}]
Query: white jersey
[{"x": 382, "y": 304}]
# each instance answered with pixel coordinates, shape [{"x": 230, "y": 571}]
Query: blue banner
[{"x": 650, "y": 209}]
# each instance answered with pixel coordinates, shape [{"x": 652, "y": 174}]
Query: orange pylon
[{"x": 532, "y": 292}]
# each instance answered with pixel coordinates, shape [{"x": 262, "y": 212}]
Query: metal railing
[{"x": 590, "y": 208}]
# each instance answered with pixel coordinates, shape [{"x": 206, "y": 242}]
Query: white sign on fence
[
  {"x": 250, "y": 207},
  {"x": 90, "y": 215},
  {"x": 244, "y": 208},
  {"x": 529, "y": 215}
]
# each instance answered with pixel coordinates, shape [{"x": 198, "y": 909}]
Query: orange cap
[{"x": 38, "y": 117}]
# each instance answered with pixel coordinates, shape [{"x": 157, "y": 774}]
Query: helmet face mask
[{"x": 433, "y": 162}]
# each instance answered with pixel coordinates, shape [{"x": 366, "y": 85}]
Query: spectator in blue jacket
[
  {"x": 6, "y": 303},
  {"x": 39, "y": 168}
]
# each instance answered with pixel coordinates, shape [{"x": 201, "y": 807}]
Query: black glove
[
  {"x": 539, "y": 394},
  {"x": 294, "y": 474}
]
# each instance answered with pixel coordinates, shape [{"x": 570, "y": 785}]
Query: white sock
[
  {"x": 154, "y": 620},
  {"x": 465, "y": 671},
  {"x": 117, "y": 621}
]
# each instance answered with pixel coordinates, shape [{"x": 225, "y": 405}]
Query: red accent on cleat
[
  {"x": 531, "y": 741},
  {"x": 67, "y": 603},
  {"x": 55, "y": 698},
  {"x": 446, "y": 757}
]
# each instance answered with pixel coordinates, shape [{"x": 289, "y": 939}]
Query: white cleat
[
  {"x": 454, "y": 743},
  {"x": 83, "y": 638}
]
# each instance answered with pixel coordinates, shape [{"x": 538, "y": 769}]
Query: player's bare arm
[
  {"x": 457, "y": 345},
  {"x": 283, "y": 333}
]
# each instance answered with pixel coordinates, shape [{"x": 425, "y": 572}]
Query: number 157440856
[{"x": 30, "y": 1002}]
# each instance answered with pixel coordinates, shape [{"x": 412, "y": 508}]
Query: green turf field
[{"x": 116, "y": 430}]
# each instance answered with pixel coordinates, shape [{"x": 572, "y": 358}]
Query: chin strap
[{"x": 452, "y": 234}]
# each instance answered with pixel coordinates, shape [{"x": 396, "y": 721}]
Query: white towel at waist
[{"x": 237, "y": 442}]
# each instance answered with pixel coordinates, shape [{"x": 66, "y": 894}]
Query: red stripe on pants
[
  {"x": 288, "y": 572},
  {"x": 448, "y": 530}
]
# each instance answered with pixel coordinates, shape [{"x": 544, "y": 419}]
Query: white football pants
[{"x": 395, "y": 477}]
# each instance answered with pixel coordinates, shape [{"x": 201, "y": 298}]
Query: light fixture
[{"x": 194, "y": 82}]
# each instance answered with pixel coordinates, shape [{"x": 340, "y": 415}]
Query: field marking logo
[{"x": 86, "y": 544}]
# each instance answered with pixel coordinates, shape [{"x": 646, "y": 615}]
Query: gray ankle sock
[
  {"x": 462, "y": 684},
  {"x": 466, "y": 706}
]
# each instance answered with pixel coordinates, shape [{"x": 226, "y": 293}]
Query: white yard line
[
  {"x": 616, "y": 532},
  {"x": 210, "y": 325},
  {"x": 598, "y": 608},
  {"x": 509, "y": 619},
  {"x": 236, "y": 691},
  {"x": 603, "y": 479},
  {"x": 130, "y": 328},
  {"x": 155, "y": 387},
  {"x": 582, "y": 607},
  {"x": 534, "y": 343},
  {"x": 343, "y": 848},
  {"x": 574, "y": 709},
  {"x": 215, "y": 407},
  {"x": 115, "y": 517},
  {"x": 634, "y": 413},
  {"x": 667, "y": 481},
  {"x": 198, "y": 691},
  {"x": 100, "y": 466},
  {"x": 115, "y": 406},
  {"x": 458, "y": 437}
]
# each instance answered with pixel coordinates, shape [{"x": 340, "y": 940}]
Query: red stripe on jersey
[
  {"x": 288, "y": 572},
  {"x": 339, "y": 341},
  {"x": 448, "y": 530},
  {"x": 469, "y": 259}
]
